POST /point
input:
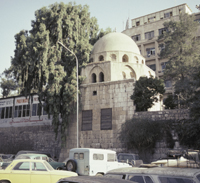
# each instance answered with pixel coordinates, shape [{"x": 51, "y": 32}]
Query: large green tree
[
  {"x": 143, "y": 133},
  {"x": 146, "y": 92},
  {"x": 8, "y": 85},
  {"x": 182, "y": 53},
  {"x": 41, "y": 65}
]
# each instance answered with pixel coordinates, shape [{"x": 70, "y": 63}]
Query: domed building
[
  {"x": 115, "y": 57},
  {"x": 105, "y": 104}
]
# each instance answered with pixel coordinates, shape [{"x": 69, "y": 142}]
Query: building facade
[
  {"x": 145, "y": 31},
  {"x": 105, "y": 103}
]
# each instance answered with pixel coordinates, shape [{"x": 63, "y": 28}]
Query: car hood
[{"x": 120, "y": 164}]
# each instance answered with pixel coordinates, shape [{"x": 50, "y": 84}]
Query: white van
[{"x": 89, "y": 161}]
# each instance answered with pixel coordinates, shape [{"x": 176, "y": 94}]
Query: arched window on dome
[
  {"x": 142, "y": 61},
  {"x": 101, "y": 58},
  {"x": 125, "y": 58},
  {"x": 136, "y": 59},
  {"x": 113, "y": 57},
  {"x": 124, "y": 75},
  {"x": 101, "y": 77},
  {"x": 94, "y": 78}
]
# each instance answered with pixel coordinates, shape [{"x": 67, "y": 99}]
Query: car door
[
  {"x": 111, "y": 162},
  {"x": 39, "y": 173},
  {"x": 20, "y": 173}
]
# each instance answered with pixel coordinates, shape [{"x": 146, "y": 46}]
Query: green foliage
[
  {"x": 142, "y": 134},
  {"x": 189, "y": 133},
  {"x": 170, "y": 102},
  {"x": 7, "y": 85},
  {"x": 195, "y": 99},
  {"x": 146, "y": 92},
  {"x": 41, "y": 65},
  {"x": 182, "y": 52}
]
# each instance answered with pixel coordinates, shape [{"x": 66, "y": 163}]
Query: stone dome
[{"x": 115, "y": 41}]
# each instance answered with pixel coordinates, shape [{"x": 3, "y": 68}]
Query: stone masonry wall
[
  {"x": 107, "y": 139},
  {"x": 42, "y": 138},
  {"x": 39, "y": 138},
  {"x": 114, "y": 95},
  {"x": 161, "y": 146}
]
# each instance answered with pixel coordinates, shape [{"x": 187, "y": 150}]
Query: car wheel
[
  {"x": 99, "y": 174},
  {"x": 71, "y": 165},
  {"x": 4, "y": 181}
]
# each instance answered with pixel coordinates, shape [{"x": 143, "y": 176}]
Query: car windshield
[
  {"x": 4, "y": 157},
  {"x": 48, "y": 166}
]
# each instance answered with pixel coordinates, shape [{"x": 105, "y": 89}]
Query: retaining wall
[{"x": 41, "y": 138}]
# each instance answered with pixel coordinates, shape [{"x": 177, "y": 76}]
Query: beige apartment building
[{"x": 145, "y": 31}]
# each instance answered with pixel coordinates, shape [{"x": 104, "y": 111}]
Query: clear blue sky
[{"x": 16, "y": 15}]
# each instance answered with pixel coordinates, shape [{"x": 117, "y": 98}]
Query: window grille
[
  {"x": 106, "y": 119},
  {"x": 86, "y": 120}
]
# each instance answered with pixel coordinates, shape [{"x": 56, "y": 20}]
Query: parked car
[
  {"x": 90, "y": 161},
  {"x": 31, "y": 170},
  {"x": 54, "y": 164},
  {"x": 91, "y": 179},
  {"x": 157, "y": 175},
  {"x": 33, "y": 152},
  {"x": 4, "y": 156},
  {"x": 130, "y": 158}
]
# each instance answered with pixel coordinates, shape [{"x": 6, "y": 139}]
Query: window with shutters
[
  {"x": 136, "y": 37},
  {"x": 86, "y": 120},
  {"x": 150, "y": 52},
  {"x": 149, "y": 35},
  {"x": 168, "y": 14},
  {"x": 106, "y": 119}
]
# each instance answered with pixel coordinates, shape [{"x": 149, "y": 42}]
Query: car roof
[
  {"x": 28, "y": 160},
  {"x": 94, "y": 179},
  {"x": 92, "y": 150},
  {"x": 127, "y": 154},
  {"x": 189, "y": 172},
  {"x": 33, "y": 155},
  {"x": 33, "y": 152}
]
